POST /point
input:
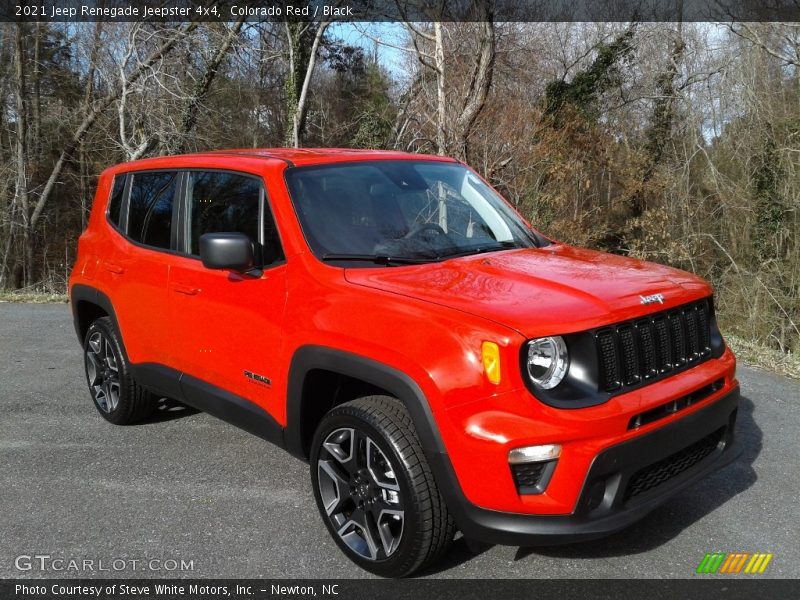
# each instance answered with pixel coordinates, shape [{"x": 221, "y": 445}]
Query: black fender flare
[
  {"x": 401, "y": 386},
  {"x": 84, "y": 293},
  {"x": 397, "y": 383}
]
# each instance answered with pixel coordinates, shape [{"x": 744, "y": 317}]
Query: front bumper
[{"x": 623, "y": 484}]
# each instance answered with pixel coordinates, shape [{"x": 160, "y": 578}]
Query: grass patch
[
  {"x": 33, "y": 297},
  {"x": 758, "y": 355}
]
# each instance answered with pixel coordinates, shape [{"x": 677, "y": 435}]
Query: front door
[{"x": 225, "y": 326}]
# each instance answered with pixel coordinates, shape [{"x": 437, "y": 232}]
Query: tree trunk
[
  {"x": 299, "y": 120},
  {"x": 480, "y": 83},
  {"x": 21, "y": 191},
  {"x": 660, "y": 131},
  {"x": 88, "y": 96},
  {"x": 300, "y": 65},
  {"x": 294, "y": 34},
  {"x": 37, "y": 96},
  {"x": 189, "y": 117},
  {"x": 441, "y": 97},
  {"x": 88, "y": 91}
]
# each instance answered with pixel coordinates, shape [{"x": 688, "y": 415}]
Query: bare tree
[
  {"x": 456, "y": 109},
  {"x": 779, "y": 40},
  {"x": 301, "y": 69},
  {"x": 21, "y": 190},
  {"x": 134, "y": 142},
  {"x": 88, "y": 97},
  {"x": 201, "y": 88},
  {"x": 480, "y": 81},
  {"x": 96, "y": 110}
]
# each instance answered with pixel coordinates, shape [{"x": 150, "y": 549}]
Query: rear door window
[{"x": 150, "y": 208}]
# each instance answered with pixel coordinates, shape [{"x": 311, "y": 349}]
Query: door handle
[
  {"x": 114, "y": 268},
  {"x": 185, "y": 289}
]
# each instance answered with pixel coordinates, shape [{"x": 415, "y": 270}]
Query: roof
[
  {"x": 313, "y": 156},
  {"x": 292, "y": 156}
]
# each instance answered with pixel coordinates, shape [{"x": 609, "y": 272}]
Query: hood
[{"x": 540, "y": 291}]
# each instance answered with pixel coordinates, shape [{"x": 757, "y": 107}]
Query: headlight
[{"x": 547, "y": 361}]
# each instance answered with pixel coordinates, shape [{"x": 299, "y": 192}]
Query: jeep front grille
[{"x": 642, "y": 350}]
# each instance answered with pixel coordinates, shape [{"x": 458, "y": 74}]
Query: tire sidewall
[
  {"x": 119, "y": 414},
  {"x": 400, "y": 561}
]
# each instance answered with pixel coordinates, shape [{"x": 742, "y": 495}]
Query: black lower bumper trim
[{"x": 604, "y": 506}]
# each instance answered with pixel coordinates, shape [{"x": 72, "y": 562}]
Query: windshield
[{"x": 401, "y": 211}]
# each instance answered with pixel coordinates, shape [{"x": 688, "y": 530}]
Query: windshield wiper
[
  {"x": 377, "y": 259},
  {"x": 383, "y": 259},
  {"x": 507, "y": 245}
]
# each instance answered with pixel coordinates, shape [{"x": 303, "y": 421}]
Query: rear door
[
  {"x": 225, "y": 326},
  {"x": 136, "y": 266}
]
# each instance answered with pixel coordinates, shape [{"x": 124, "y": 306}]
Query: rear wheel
[
  {"x": 375, "y": 490},
  {"x": 116, "y": 395}
]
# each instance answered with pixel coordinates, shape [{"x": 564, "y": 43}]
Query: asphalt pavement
[{"x": 187, "y": 488}]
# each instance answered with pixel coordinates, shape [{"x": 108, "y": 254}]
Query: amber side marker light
[{"x": 491, "y": 361}]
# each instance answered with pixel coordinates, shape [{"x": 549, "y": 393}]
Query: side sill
[{"x": 210, "y": 399}]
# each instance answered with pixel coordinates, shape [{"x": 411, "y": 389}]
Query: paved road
[{"x": 193, "y": 488}]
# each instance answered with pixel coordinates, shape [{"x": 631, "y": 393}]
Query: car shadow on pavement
[
  {"x": 168, "y": 410},
  {"x": 660, "y": 526}
]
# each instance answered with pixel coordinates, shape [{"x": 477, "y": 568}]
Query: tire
[
  {"x": 115, "y": 393},
  {"x": 375, "y": 490}
]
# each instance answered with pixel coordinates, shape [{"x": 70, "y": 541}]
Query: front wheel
[{"x": 375, "y": 490}]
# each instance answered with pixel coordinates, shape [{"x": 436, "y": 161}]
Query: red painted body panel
[
  {"x": 217, "y": 340},
  {"x": 427, "y": 321},
  {"x": 541, "y": 291}
]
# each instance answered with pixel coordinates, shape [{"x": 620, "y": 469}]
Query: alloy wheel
[
  {"x": 102, "y": 372},
  {"x": 360, "y": 493}
]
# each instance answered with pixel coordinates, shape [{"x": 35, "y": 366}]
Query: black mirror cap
[{"x": 227, "y": 250}]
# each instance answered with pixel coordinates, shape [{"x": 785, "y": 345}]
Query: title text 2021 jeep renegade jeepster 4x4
[{"x": 390, "y": 319}]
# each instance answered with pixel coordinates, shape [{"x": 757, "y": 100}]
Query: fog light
[{"x": 530, "y": 454}]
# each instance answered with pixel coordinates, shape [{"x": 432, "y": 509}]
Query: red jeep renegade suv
[{"x": 390, "y": 319}]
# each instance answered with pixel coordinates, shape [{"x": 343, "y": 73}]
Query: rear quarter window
[{"x": 115, "y": 201}]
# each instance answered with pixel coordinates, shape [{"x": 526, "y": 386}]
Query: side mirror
[{"x": 227, "y": 250}]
